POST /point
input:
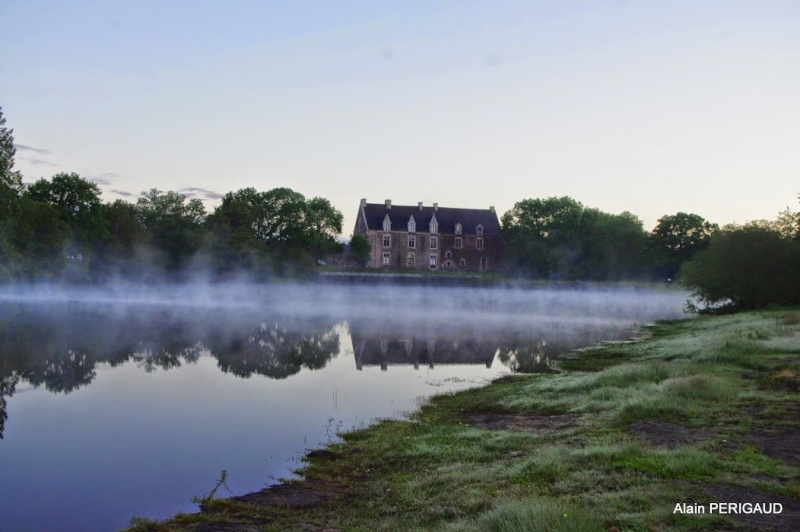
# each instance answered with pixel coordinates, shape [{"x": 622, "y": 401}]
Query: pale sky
[{"x": 653, "y": 107}]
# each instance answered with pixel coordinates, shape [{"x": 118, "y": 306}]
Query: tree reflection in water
[
  {"x": 277, "y": 348},
  {"x": 60, "y": 346}
]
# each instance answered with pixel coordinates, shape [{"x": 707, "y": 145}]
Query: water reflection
[
  {"x": 244, "y": 380},
  {"x": 276, "y": 349},
  {"x": 533, "y": 347},
  {"x": 60, "y": 347}
]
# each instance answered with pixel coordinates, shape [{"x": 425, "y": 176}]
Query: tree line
[
  {"x": 60, "y": 229},
  {"x": 742, "y": 266}
]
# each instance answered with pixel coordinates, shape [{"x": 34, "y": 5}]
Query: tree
[
  {"x": 239, "y": 231},
  {"x": 324, "y": 223},
  {"x": 10, "y": 187},
  {"x": 253, "y": 229},
  {"x": 39, "y": 237},
  {"x": 676, "y": 238},
  {"x": 797, "y": 222},
  {"x": 360, "y": 250},
  {"x": 120, "y": 252},
  {"x": 174, "y": 225},
  {"x": 747, "y": 267},
  {"x": 283, "y": 220},
  {"x": 8, "y": 176},
  {"x": 611, "y": 246},
  {"x": 540, "y": 235},
  {"x": 78, "y": 203},
  {"x": 559, "y": 238}
]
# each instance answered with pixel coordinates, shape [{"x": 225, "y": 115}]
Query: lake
[{"x": 130, "y": 400}]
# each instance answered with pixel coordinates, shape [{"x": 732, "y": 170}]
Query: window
[
  {"x": 387, "y": 241},
  {"x": 432, "y": 262},
  {"x": 448, "y": 255},
  {"x": 479, "y": 230},
  {"x": 484, "y": 264},
  {"x": 448, "y": 264},
  {"x": 434, "y": 242},
  {"x": 478, "y": 243},
  {"x": 434, "y": 225},
  {"x": 412, "y": 241},
  {"x": 386, "y": 257},
  {"x": 462, "y": 263},
  {"x": 458, "y": 243},
  {"x": 411, "y": 260},
  {"x": 458, "y": 229},
  {"x": 387, "y": 224},
  {"x": 412, "y": 225}
]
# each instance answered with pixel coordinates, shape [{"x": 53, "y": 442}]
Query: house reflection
[
  {"x": 381, "y": 350},
  {"x": 523, "y": 347}
]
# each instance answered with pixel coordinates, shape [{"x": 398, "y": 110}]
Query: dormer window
[
  {"x": 412, "y": 225},
  {"x": 434, "y": 225},
  {"x": 458, "y": 229},
  {"x": 479, "y": 230},
  {"x": 387, "y": 224}
]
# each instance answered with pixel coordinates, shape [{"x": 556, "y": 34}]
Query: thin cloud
[
  {"x": 23, "y": 147},
  {"x": 123, "y": 193},
  {"x": 104, "y": 179},
  {"x": 37, "y": 161},
  {"x": 201, "y": 193}
]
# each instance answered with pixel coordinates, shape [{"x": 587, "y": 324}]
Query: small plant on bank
[{"x": 221, "y": 482}]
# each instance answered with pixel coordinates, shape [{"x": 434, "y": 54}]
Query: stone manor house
[{"x": 430, "y": 238}]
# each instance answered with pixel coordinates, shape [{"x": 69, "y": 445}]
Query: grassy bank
[{"x": 705, "y": 410}]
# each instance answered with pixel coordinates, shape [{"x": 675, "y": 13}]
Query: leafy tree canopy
[
  {"x": 175, "y": 226},
  {"x": 360, "y": 250},
  {"x": 746, "y": 267},
  {"x": 676, "y": 238},
  {"x": 276, "y": 219},
  {"x": 77, "y": 201},
  {"x": 8, "y": 176},
  {"x": 69, "y": 192},
  {"x": 155, "y": 208},
  {"x": 559, "y": 238}
]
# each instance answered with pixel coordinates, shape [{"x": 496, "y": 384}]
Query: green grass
[{"x": 436, "y": 472}]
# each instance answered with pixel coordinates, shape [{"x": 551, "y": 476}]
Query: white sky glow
[{"x": 651, "y": 107}]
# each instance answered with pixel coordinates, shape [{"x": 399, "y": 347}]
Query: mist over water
[
  {"x": 128, "y": 400},
  {"x": 399, "y": 303}
]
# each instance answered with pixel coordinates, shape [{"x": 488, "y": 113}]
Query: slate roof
[{"x": 445, "y": 216}]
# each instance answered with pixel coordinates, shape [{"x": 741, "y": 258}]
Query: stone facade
[{"x": 430, "y": 238}]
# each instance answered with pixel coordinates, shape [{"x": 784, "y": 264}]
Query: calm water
[{"x": 129, "y": 401}]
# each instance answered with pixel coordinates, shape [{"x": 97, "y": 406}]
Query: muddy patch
[
  {"x": 777, "y": 434},
  {"x": 788, "y": 519},
  {"x": 513, "y": 422},
  {"x": 780, "y": 443},
  {"x": 300, "y": 495},
  {"x": 669, "y": 435}
]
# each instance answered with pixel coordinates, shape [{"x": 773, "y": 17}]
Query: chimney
[
  {"x": 388, "y": 204},
  {"x": 419, "y": 204},
  {"x": 435, "y": 206},
  {"x": 363, "y": 202},
  {"x": 491, "y": 208}
]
